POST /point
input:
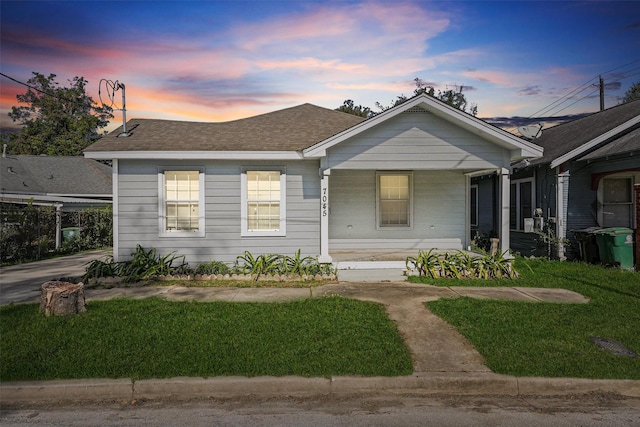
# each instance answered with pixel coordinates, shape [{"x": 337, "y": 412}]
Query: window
[
  {"x": 394, "y": 199},
  {"x": 473, "y": 195},
  {"x": 521, "y": 203},
  {"x": 617, "y": 202},
  {"x": 263, "y": 202},
  {"x": 181, "y": 198}
]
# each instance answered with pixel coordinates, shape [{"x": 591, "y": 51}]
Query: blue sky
[{"x": 223, "y": 60}]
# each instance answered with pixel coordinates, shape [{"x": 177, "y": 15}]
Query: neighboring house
[
  {"x": 65, "y": 182},
  {"x": 304, "y": 178},
  {"x": 585, "y": 179}
]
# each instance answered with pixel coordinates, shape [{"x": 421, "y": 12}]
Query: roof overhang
[
  {"x": 517, "y": 147},
  {"x": 50, "y": 200},
  {"x": 584, "y": 148},
  {"x": 194, "y": 155}
]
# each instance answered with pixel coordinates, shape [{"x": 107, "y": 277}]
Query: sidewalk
[{"x": 444, "y": 362}]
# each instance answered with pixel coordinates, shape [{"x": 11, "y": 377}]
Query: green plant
[
  {"x": 426, "y": 264},
  {"x": 297, "y": 264},
  {"x": 212, "y": 267},
  {"x": 549, "y": 242},
  {"x": 262, "y": 264},
  {"x": 146, "y": 264},
  {"x": 461, "y": 265},
  {"x": 100, "y": 268}
]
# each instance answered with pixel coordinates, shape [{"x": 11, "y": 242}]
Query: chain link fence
[{"x": 28, "y": 232}]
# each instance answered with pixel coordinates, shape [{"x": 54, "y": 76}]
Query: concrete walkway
[
  {"x": 22, "y": 282},
  {"x": 443, "y": 360}
]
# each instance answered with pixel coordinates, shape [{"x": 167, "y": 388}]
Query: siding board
[
  {"x": 139, "y": 224},
  {"x": 416, "y": 141}
]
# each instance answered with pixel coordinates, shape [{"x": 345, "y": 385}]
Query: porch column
[
  {"x": 561, "y": 232},
  {"x": 503, "y": 232},
  {"x": 58, "y": 226},
  {"x": 324, "y": 218}
]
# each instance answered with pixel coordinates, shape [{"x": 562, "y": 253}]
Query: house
[
  {"x": 584, "y": 179},
  {"x": 305, "y": 178},
  {"x": 69, "y": 183}
]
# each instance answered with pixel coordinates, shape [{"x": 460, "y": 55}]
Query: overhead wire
[
  {"x": 53, "y": 95},
  {"x": 554, "y": 107}
]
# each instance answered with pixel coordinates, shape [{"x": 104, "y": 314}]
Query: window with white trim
[
  {"x": 181, "y": 202},
  {"x": 263, "y": 202},
  {"x": 521, "y": 203},
  {"x": 616, "y": 199},
  {"x": 394, "y": 199}
]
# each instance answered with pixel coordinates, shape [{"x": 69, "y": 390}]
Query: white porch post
[
  {"x": 505, "y": 188},
  {"x": 561, "y": 232},
  {"x": 58, "y": 226},
  {"x": 324, "y": 218},
  {"x": 115, "y": 207}
]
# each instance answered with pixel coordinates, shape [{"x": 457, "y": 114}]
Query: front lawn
[
  {"x": 153, "y": 338},
  {"x": 553, "y": 340}
]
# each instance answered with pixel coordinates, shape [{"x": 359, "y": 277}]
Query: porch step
[
  {"x": 371, "y": 271},
  {"x": 388, "y": 275}
]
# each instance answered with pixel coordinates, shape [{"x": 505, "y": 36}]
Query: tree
[
  {"x": 453, "y": 97},
  {"x": 349, "y": 107},
  {"x": 632, "y": 94},
  {"x": 57, "y": 120}
]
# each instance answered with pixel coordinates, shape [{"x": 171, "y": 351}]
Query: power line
[
  {"x": 549, "y": 109},
  {"x": 53, "y": 95}
]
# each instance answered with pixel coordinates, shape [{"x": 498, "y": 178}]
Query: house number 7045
[{"x": 325, "y": 205}]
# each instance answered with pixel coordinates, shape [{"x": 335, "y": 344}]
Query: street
[{"x": 381, "y": 409}]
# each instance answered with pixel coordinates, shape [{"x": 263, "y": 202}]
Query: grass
[
  {"x": 153, "y": 338},
  {"x": 552, "y": 340}
]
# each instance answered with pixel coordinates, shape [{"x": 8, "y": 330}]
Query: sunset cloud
[{"x": 221, "y": 60}]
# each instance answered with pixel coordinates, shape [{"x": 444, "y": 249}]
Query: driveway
[{"x": 22, "y": 282}]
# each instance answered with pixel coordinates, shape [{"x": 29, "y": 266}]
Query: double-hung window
[
  {"x": 617, "y": 202},
  {"x": 394, "y": 199},
  {"x": 181, "y": 202},
  {"x": 263, "y": 209},
  {"x": 521, "y": 201}
]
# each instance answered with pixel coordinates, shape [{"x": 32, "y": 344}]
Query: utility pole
[{"x": 601, "y": 94}]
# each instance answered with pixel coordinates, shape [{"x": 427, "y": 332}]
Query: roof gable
[{"x": 517, "y": 147}]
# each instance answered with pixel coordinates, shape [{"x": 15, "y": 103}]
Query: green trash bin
[
  {"x": 615, "y": 246},
  {"x": 70, "y": 233}
]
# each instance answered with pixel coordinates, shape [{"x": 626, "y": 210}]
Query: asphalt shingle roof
[
  {"x": 291, "y": 129},
  {"x": 68, "y": 175},
  {"x": 561, "y": 139}
]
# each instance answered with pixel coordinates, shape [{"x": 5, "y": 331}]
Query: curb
[{"x": 228, "y": 387}]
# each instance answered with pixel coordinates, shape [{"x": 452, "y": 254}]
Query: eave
[
  {"x": 194, "y": 155},
  {"x": 584, "y": 148}
]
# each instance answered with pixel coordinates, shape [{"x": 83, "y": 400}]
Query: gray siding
[
  {"x": 416, "y": 140},
  {"x": 438, "y": 212},
  {"x": 139, "y": 223}
]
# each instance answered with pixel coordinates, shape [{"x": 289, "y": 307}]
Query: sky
[{"x": 216, "y": 61}]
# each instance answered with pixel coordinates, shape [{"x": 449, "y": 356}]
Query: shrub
[
  {"x": 212, "y": 267},
  {"x": 461, "y": 266},
  {"x": 144, "y": 265}
]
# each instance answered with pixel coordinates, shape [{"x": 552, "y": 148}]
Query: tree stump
[{"x": 62, "y": 298}]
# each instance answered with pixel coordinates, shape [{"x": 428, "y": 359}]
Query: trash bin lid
[
  {"x": 612, "y": 231},
  {"x": 589, "y": 230}
]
